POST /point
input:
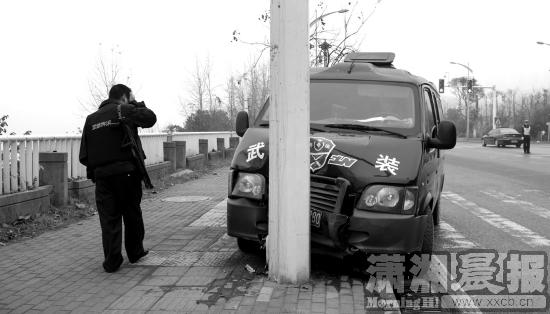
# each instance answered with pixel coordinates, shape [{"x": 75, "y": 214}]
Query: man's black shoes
[
  {"x": 111, "y": 269},
  {"x": 136, "y": 259}
]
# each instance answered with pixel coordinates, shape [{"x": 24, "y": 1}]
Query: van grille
[{"x": 327, "y": 194}]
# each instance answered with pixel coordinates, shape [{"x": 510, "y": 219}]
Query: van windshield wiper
[
  {"x": 361, "y": 127},
  {"x": 311, "y": 127}
]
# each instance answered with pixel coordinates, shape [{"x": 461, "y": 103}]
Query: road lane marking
[
  {"x": 458, "y": 240},
  {"x": 537, "y": 210},
  {"x": 216, "y": 217},
  {"x": 532, "y": 190},
  {"x": 514, "y": 229},
  {"x": 444, "y": 276}
]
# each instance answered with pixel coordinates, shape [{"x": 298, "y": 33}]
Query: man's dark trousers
[
  {"x": 118, "y": 198},
  {"x": 527, "y": 144}
]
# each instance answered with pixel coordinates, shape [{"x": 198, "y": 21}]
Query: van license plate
[
  {"x": 514, "y": 142},
  {"x": 316, "y": 218}
]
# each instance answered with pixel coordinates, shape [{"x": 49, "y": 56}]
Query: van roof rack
[{"x": 377, "y": 58}]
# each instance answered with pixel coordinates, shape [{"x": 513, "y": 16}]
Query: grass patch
[{"x": 26, "y": 227}]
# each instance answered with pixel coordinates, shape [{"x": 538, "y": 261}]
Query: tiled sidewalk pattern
[{"x": 193, "y": 267}]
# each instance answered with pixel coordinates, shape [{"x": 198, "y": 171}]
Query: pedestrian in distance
[
  {"x": 526, "y": 137},
  {"x": 117, "y": 169}
]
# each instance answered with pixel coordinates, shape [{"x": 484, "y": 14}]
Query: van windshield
[
  {"x": 376, "y": 104},
  {"x": 368, "y": 103}
]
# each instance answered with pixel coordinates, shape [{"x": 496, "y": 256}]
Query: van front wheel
[
  {"x": 428, "y": 239},
  {"x": 248, "y": 246}
]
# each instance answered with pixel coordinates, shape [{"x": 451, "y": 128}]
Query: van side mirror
[
  {"x": 446, "y": 136},
  {"x": 241, "y": 124}
]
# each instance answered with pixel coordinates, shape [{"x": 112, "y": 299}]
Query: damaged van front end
[
  {"x": 354, "y": 205},
  {"x": 376, "y": 161}
]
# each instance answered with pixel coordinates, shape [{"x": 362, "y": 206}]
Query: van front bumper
[
  {"x": 246, "y": 219},
  {"x": 382, "y": 232},
  {"x": 366, "y": 231}
]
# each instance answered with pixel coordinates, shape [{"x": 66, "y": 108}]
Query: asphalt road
[{"x": 497, "y": 198}]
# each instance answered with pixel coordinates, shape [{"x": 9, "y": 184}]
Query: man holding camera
[{"x": 115, "y": 168}]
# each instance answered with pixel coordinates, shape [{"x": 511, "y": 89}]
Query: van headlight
[
  {"x": 251, "y": 185},
  {"x": 387, "y": 198}
]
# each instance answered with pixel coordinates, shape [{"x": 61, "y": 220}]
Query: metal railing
[{"x": 19, "y": 155}]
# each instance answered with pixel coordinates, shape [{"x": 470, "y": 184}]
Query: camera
[{"x": 138, "y": 104}]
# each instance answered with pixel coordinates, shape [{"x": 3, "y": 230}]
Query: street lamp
[
  {"x": 466, "y": 99},
  {"x": 547, "y": 123},
  {"x": 325, "y": 15},
  {"x": 314, "y": 22},
  {"x": 463, "y": 65}
]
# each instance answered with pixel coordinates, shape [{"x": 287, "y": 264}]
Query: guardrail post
[
  {"x": 53, "y": 171},
  {"x": 181, "y": 147},
  {"x": 220, "y": 145},
  {"x": 203, "y": 147},
  {"x": 169, "y": 149},
  {"x": 233, "y": 142}
]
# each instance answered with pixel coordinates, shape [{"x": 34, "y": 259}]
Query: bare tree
[
  {"x": 231, "y": 90},
  {"x": 258, "y": 89},
  {"x": 201, "y": 91},
  {"x": 107, "y": 72},
  {"x": 249, "y": 90},
  {"x": 329, "y": 40},
  {"x": 197, "y": 86}
]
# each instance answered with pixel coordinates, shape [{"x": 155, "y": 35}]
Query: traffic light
[
  {"x": 470, "y": 86},
  {"x": 441, "y": 86}
]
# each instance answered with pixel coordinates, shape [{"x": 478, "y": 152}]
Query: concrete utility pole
[{"x": 288, "y": 246}]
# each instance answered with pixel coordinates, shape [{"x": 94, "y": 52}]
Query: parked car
[
  {"x": 376, "y": 161},
  {"x": 502, "y": 137}
]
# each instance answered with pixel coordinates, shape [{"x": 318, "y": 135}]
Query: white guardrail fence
[{"x": 19, "y": 164}]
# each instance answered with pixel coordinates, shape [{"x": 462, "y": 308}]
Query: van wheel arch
[
  {"x": 428, "y": 238},
  {"x": 436, "y": 213},
  {"x": 437, "y": 207}
]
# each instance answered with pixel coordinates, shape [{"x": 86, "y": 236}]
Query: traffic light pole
[
  {"x": 467, "y": 115},
  {"x": 468, "y": 107},
  {"x": 288, "y": 243},
  {"x": 467, "y": 67},
  {"x": 495, "y": 107}
]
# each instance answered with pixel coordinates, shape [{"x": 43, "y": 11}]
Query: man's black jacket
[{"x": 101, "y": 145}]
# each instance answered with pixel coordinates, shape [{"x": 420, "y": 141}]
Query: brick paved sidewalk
[{"x": 193, "y": 267}]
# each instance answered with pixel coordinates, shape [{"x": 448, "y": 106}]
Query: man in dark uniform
[
  {"x": 114, "y": 170},
  {"x": 526, "y": 132}
]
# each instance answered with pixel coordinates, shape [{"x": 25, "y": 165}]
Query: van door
[
  {"x": 438, "y": 111},
  {"x": 431, "y": 162}
]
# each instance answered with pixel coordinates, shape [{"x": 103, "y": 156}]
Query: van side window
[
  {"x": 429, "y": 114},
  {"x": 438, "y": 109}
]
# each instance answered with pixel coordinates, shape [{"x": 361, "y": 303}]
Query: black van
[{"x": 376, "y": 162}]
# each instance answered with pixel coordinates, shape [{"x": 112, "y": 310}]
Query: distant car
[{"x": 502, "y": 137}]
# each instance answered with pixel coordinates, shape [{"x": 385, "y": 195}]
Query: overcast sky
[{"x": 49, "y": 48}]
